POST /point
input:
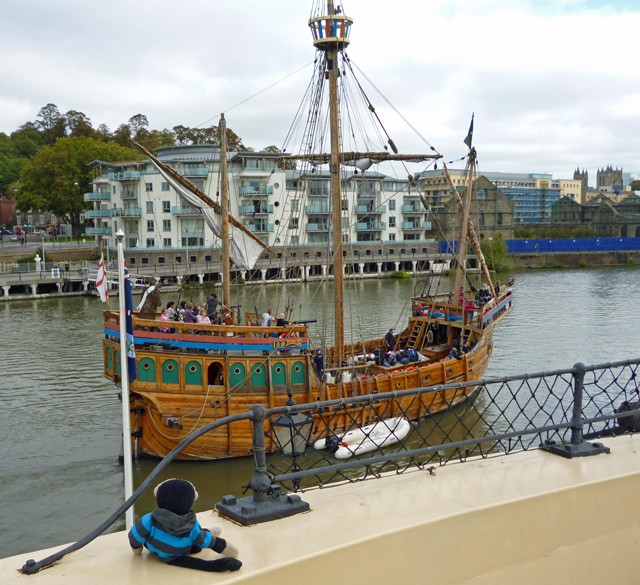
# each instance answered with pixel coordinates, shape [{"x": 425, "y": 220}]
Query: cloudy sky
[{"x": 554, "y": 84}]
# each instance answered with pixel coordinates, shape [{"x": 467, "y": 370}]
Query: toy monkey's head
[{"x": 176, "y": 495}]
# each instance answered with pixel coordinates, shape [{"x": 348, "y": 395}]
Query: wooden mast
[
  {"x": 224, "y": 204},
  {"x": 336, "y": 201},
  {"x": 472, "y": 233},
  {"x": 462, "y": 252}
]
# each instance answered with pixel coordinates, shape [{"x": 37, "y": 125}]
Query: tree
[
  {"x": 139, "y": 125},
  {"x": 78, "y": 124},
  {"x": 185, "y": 135},
  {"x": 635, "y": 185},
  {"x": 27, "y": 140},
  {"x": 52, "y": 124},
  {"x": 103, "y": 133},
  {"x": 122, "y": 135},
  {"x": 48, "y": 179},
  {"x": 281, "y": 164}
]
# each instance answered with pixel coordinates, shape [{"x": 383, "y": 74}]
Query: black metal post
[
  {"x": 267, "y": 502},
  {"x": 577, "y": 447}
]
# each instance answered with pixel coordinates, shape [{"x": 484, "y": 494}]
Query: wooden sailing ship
[{"x": 199, "y": 373}]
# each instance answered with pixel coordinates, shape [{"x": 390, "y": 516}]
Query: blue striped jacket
[{"x": 169, "y": 536}]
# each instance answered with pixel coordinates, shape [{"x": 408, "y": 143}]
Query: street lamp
[
  {"x": 292, "y": 434},
  {"x": 75, "y": 186},
  {"x": 186, "y": 231}
]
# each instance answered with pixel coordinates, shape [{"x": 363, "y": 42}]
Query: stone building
[
  {"x": 607, "y": 219},
  {"x": 583, "y": 177},
  {"x": 492, "y": 214},
  {"x": 610, "y": 177}
]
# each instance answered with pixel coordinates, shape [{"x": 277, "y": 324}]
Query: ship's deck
[{"x": 526, "y": 518}]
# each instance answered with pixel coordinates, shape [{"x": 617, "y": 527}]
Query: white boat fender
[{"x": 346, "y": 377}]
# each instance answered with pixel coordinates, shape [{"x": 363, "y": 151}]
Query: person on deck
[
  {"x": 266, "y": 318},
  {"x": 318, "y": 361},
  {"x": 164, "y": 316},
  {"x": 389, "y": 341},
  {"x": 171, "y": 310},
  {"x": 282, "y": 322},
  {"x": 180, "y": 311},
  {"x": 213, "y": 304},
  {"x": 189, "y": 317},
  {"x": 202, "y": 318}
]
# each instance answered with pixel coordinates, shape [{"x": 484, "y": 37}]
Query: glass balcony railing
[
  {"x": 128, "y": 212},
  {"x": 93, "y": 213},
  {"x": 252, "y": 209},
  {"x": 98, "y": 231},
  {"x": 261, "y": 228},
  {"x": 411, "y": 226},
  {"x": 255, "y": 190},
  {"x": 370, "y": 227},
  {"x": 125, "y": 176},
  {"x": 411, "y": 209},
  {"x": 184, "y": 211},
  {"x": 195, "y": 172},
  {"x": 317, "y": 227},
  {"x": 317, "y": 209},
  {"x": 367, "y": 209},
  {"x": 97, "y": 197}
]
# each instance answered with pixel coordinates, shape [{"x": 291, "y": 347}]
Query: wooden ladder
[{"x": 416, "y": 333}]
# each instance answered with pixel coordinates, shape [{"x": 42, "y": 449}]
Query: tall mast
[
  {"x": 224, "y": 203},
  {"x": 462, "y": 252},
  {"x": 331, "y": 35}
]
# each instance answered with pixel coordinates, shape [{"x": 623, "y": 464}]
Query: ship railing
[
  {"x": 222, "y": 330},
  {"x": 561, "y": 411}
]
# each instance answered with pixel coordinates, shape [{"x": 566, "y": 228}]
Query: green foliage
[
  {"x": 583, "y": 264},
  {"x": 635, "y": 185},
  {"x": 26, "y": 259},
  {"x": 557, "y": 265},
  {"x": 48, "y": 180},
  {"x": 551, "y": 231},
  {"x": 238, "y": 280},
  {"x": 95, "y": 256},
  {"x": 399, "y": 274},
  {"x": 495, "y": 253}
]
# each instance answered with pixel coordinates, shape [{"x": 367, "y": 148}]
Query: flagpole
[{"x": 124, "y": 378}]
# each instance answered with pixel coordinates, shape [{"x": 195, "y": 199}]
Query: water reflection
[{"x": 61, "y": 423}]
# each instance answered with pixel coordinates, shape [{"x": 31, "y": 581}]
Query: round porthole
[
  {"x": 193, "y": 369},
  {"x": 275, "y": 186},
  {"x": 318, "y": 399},
  {"x": 170, "y": 367},
  {"x": 296, "y": 369},
  {"x": 237, "y": 371},
  {"x": 276, "y": 203},
  {"x": 397, "y": 384},
  {"x": 258, "y": 370},
  {"x": 215, "y": 403},
  {"x": 278, "y": 370},
  {"x": 277, "y": 222},
  {"x": 146, "y": 366}
]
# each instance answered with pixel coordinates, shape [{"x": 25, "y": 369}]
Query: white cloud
[{"x": 552, "y": 84}]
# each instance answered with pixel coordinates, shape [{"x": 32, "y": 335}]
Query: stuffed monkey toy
[{"x": 172, "y": 532}]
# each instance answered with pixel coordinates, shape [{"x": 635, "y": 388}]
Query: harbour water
[{"x": 60, "y": 420}]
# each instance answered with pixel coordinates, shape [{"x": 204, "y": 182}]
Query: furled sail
[{"x": 244, "y": 247}]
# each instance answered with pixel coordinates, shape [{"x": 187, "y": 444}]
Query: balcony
[
  {"x": 88, "y": 197},
  {"x": 128, "y": 212},
  {"x": 98, "y": 231},
  {"x": 129, "y": 196},
  {"x": 408, "y": 226},
  {"x": 366, "y": 209},
  {"x": 125, "y": 176},
  {"x": 259, "y": 191},
  {"x": 412, "y": 209},
  {"x": 260, "y": 228},
  {"x": 93, "y": 213},
  {"x": 317, "y": 209},
  {"x": 369, "y": 227},
  {"x": 367, "y": 194},
  {"x": 184, "y": 211},
  {"x": 196, "y": 172},
  {"x": 316, "y": 228},
  {"x": 251, "y": 209}
]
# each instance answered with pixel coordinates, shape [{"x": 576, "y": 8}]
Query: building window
[
  {"x": 166, "y": 206},
  {"x": 151, "y": 227},
  {"x": 252, "y": 163},
  {"x": 345, "y": 205},
  {"x": 160, "y": 259},
  {"x": 293, "y": 223},
  {"x": 148, "y": 186},
  {"x": 392, "y": 221},
  {"x": 295, "y": 240},
  {"x": 151, "y": 243},
  {"x": 392, "y": 237},
  {"x": 166, "y": 242},
  {"x": 499, "y": 218},
  {"x": 392, "y": 204},
  {"x": 165, "y": 186},
  {"x": 166, "y": 225},
  {"x": 145, "y": 260},
  {"x": 387, "y": 186},
  {"x": 149, "y": 206},
  {"x": 294, "y": 204},
  {"x": 481, "y": 219},
  {"x": 114, "y": 189}
]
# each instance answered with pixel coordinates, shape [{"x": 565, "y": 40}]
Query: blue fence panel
[{"x": 559, "y": 245}]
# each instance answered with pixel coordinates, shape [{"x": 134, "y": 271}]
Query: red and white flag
[{"x": 101, "y": 281}]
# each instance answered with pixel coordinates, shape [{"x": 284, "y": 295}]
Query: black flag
[{"x": 469, "y": 137}]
